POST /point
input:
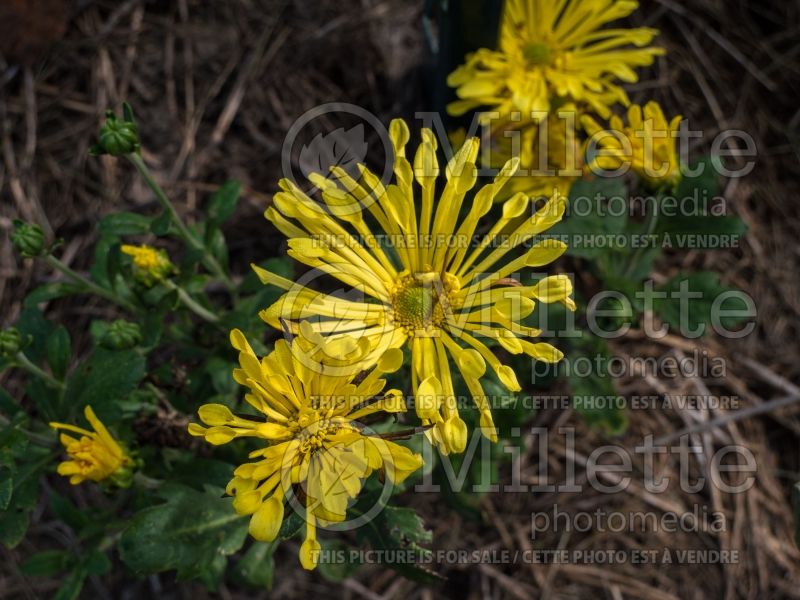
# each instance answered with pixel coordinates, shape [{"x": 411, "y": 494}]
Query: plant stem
[
  {"x": 146, "y": 482},
  {"x": 23, "y": 362},
  {"x": 208, "y": 260},
  {"x": 190, "y": 303},
  {"x": 90, "y": 285}
]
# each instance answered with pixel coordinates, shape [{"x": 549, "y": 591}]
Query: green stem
[
  {"x": 208, "y": 260},
  {"x": 190, "y": 303},
  {"x": 145, "y": 481},
  {"x": 88, "y": 284},
  {"x": 23, "y": 362}
]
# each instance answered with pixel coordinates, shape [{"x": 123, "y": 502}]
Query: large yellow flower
[
  {"x": 95, "y": 456},
  {"x": 432, "y": 290},
  {"x": 647, "y": 145},
  {"x": 551, "y": 51},
  {"x": 314, "y": 445}
]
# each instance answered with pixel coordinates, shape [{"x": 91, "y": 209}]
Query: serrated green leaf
[
  {"x": 187, "y": 533},
  {"x": 399, "y": 531},
  {"x": 106, "y": 376},
  {"x": 597, "y": 209},
  {"x": 594, "y": 396},
  {"x": 690, "y": 302}
]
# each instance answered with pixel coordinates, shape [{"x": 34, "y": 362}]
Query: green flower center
[
  {"x": 419, "y": 303},
  {"x": 537, "y": 54}
]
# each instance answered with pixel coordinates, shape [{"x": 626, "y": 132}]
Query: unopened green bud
[
  {"x": 10, "y": 342},
  {"x": 123, "y": 477},
  {"x": 28, "y": 239},
  {"x": 118, "y": 136},
  {"x": 121, "y": 335}
]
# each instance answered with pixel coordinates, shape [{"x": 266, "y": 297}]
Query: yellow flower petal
[{"x": 266, "y": 521}]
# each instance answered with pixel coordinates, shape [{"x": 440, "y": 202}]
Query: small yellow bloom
[
  {"x": 149, "y": 264},
  {"x": 95, "y": 456},
  {"x": 312, "y": 439},
  {"x": 552, "y": 52},
  {"x": 443, "y": 291},
  {"x": 647, "y": 145}
]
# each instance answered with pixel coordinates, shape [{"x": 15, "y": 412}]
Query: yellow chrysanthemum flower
[
  {"x": 434, "y": 291},
  {"x": 313, "y": 439},
  {"x": 149, "y": 264},
  {"x": 95, "y": 456},
  {"x": 549, "y": 152},
  {"x": 552, "y": 52},
  {"x": 648, "y": 145}
]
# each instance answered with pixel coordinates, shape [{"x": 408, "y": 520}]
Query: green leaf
[
  {"x": 47, "y": 563},
  {"x": 68, "y": 512},
  {"x": 72, "y": 587},
  {"x": 32, "y": 323},
  {"x": 257, "y": 566},
  {"x": 215, "y": 242},
  {"x": 105, "y": 377},
  {"x": 6, "y": 488},
  {"x": 58, "y": 351},
  {"x": 291, "y": 526},
  {"x": 598, "y": 211},
  {"x": 187, "y": 533},
  {"x": 223, "y": 202},
  {"x": 701, "y": 232},
  {"x": 398, "y": 531},
  {"x": 704, "y": 185},
  {"x": 161, "y": 225},
  {"x": 124, "y": 223},
  {"x": 97, "y": 563},
  {"x": 692, "y": 299},
  {"x": 50, "y": 291},
  {"x": 336, "y": 570},
  {"x": 13, "y": 525},
  {"x": 594, "y": 396},
  {"x": 8, "y": 405}
]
